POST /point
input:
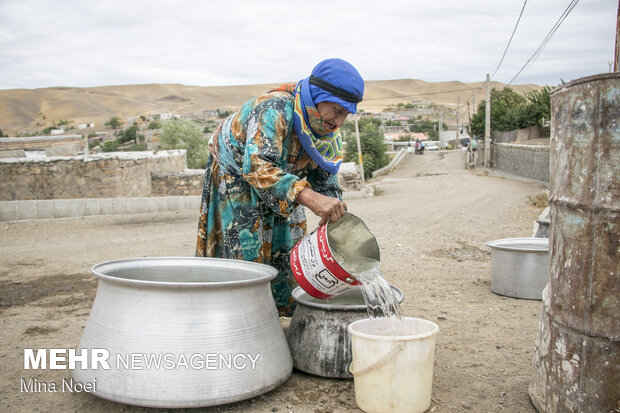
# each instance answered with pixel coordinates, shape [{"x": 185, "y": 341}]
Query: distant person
[
  {"x": 278, "y": 153},
  {"x": 474, "y": 145}
]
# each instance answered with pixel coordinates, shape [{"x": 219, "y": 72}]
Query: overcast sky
[{"x": 232, "y": 42}]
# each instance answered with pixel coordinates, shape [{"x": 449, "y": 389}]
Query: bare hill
[{"x": 32, "y": 109}]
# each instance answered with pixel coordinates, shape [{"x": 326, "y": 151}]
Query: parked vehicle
[{"x": 431, "y": 146}]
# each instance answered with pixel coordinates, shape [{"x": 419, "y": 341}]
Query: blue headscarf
[{"x": 335, "y": 80}]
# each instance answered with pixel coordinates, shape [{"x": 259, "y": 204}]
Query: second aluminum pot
[{"x": 184, "y": 332}]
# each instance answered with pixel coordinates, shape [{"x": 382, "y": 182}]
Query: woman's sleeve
[
  {"x": 267, "y": 129},
  {"x": 325, "y": 183}
]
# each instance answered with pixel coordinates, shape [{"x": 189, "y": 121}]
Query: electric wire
[
  {"x": 510, "y": 40},
  {"x": 547, "y": 38}
]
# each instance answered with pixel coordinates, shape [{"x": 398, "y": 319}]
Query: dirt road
[{"x": 431, "y": 218}]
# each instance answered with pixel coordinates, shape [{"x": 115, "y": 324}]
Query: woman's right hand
[{"x": 328, "y": 208}]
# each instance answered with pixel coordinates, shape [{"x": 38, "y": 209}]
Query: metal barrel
[{"x": 576, "y": 365}]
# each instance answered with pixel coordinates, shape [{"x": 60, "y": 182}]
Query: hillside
[{"x": 24, "y": 110}]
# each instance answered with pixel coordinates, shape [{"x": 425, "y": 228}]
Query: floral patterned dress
[{"x": 256, "y": 169}]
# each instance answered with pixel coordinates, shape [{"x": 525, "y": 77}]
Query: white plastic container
[{"x": 393, "y": 373}]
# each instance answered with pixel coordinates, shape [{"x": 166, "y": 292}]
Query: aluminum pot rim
[
  {"x": 434, "y": 329},
  {"x": 524, "y": 244},
  {"x": 264, "y": 272},
  {"x": 298, "y": 297}
]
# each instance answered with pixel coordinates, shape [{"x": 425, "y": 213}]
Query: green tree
[
  {"x": 114, "y": 122},
  {"x": 510, "y": 111},
  {"x": 130, "y": 134},
  {"x": 110, "y": 146},
  {"x": 2, "y": 135},
  {"x": 185, "y": 134},
  {"x": 373, "y": 147},
  {"x": 426, "y": 126},
  {"x": 223, "y": 113},
  {"x": 154, "y": 124},
  {"x": 539, "y": 106}
]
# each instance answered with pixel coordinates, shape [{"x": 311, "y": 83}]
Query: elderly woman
[{"x": 279, "y": 153}]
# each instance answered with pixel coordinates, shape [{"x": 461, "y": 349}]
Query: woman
[{"x": 279, "y": 153}]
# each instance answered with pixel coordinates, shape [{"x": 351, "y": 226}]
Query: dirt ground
[{"x": 431, "y": 218}]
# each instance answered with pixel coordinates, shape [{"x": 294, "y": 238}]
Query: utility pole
[
  {"x": 440, "y": 126},
  {"x": 471, "y": 134},
  {"x": 473, "y": 101},
  {"x": 359, "y": 150},
  {"x": 487, "y": 127},
  {"x": 458, "y": 141}
]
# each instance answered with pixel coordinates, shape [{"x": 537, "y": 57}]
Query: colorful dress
[{"x": 256, "y": 169}]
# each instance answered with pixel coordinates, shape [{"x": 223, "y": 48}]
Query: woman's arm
[{"x": 328, "y": 208}]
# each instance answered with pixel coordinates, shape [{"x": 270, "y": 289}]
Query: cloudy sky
[{"x": 232, "y": 42}]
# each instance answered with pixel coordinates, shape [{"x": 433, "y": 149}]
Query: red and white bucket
[{"x": 314, "y": 264}]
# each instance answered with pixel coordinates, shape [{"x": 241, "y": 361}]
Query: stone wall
[
  {"x": 528, "y": 161},
  {"x": 108, "y": 175},
  {"x": 348, "y": 177},
  {"x": 533, "y": 132},
  {"x": 62, "y": 145},
  {"x": 182, "y": 183}
]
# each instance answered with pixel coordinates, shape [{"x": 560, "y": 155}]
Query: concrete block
[
  {"x": 111, "y": 206},
  {"x": 105, "y": 206},
  {"x": 142, "y": 205},
  {"x": 153, "y": 204},
  {"x": 26, "y": 209},
  {"x": 44, "y": 208},
  {"x": 131, "y": 205},
  {"x": 192, "y": 202},
  {"x": 91, "y": 207},
  {"x": 173, "y": 203},
  {"x": 8, "y": 211},
  {"x": 76, "y": 208},
  {"x": 61, "y": 208}
]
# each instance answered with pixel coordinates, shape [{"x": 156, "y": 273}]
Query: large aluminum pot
[
  {"x": 318, "y": 336},
  {"x": 519, "y": 267},
  {"x": 184, "y": 332}
]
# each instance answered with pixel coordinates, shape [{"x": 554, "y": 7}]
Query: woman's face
[{"x": 332, "y": 114}]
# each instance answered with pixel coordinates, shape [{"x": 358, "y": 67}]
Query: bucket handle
[{"x": 385, "y": 358}]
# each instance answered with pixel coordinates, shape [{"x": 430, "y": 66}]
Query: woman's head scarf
[
  {"x": 332, "y": 80},
  {"x": 335, "y": 80}
]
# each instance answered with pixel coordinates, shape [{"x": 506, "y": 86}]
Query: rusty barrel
[{"x": 576, "y": 365}]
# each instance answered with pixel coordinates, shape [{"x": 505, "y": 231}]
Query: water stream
[{"x": 378, "y": 295}]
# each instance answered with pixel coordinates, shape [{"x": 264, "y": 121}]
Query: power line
[
  {"x": 509, "y": 41},
  {"x": 547, "y": 38}
]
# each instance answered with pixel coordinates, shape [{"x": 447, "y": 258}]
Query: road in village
[{"x": 431, "y": 218}]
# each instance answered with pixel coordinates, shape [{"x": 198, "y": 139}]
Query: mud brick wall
[
  {"x": 184, "y": 183},
  {"x": 112, "y": 175}
]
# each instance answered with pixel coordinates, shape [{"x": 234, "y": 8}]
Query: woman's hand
[{"x": 328, "y": 208}]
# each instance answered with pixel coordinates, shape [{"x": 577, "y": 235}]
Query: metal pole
[
  {"x": 441, "y": 127},
  {"x": 359, "y": 150},
  {"x": 487, "y": 127},
  {"x": 86, "y": 153},
  {"x": 458, "y": 141}
]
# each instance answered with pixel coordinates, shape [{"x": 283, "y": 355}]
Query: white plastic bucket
[
  {"x": 314, "y": 260},
  {"x": 393, "y": 373}
]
